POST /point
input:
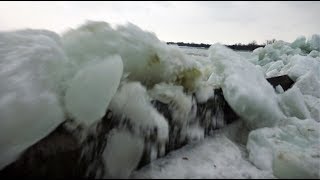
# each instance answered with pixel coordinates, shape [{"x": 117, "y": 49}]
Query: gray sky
[{"x": 199, "y": 22}]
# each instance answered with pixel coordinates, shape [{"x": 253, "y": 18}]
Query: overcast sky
[{"x": 199, "y": 22}]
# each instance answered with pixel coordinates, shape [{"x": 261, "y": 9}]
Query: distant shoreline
[{"x": 239, "y": 47}]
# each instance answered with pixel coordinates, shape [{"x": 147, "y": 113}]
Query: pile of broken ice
[{"x": 46, "y": 79}]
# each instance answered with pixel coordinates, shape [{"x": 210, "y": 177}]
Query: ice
[
  {"x": 245, "y": 88},
  {"x": 279, "y": 89},
  {"x": 122, "y": 154},
  {"x": 292, "y": 104},
  {"x": 171, "y": 94},
  {"x": 180, "y": 105},
  {"x": 144, "y": 56},
  {"x": 133, "y": 102},
  {"x": 314, "y": 42},
  {"x": 195, "y": 133},
  {"x": 272, "y": 73},
  {"x": 46, "y": 79},
  {"x": 313, "y": 105},
  {"x": 309, "y": 84},
  {"x": 31, "y": 65},
  {"x": 276, "y": 66},
  {"x": 300, "y": 65},
  {"x": 214, "y": 157},
  {"x": 291, "y": 150},
  {"x": 92, "y": 88},
  {"x": 314, "y": 54},
  {"x": 204, "y": 93},
  {"x": 300, "y": 42}
]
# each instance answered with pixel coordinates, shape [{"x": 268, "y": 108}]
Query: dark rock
[
  {"x": 60, "y": 154},
  {"x": 284, "y": 81},
  {"x": 56, "y": 155}
]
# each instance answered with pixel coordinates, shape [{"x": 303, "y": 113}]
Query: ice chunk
[
  {"x": 309, "y": 84},
  {"x": 272, "y": 73},
  {"x": 291, "y": 150},
  {"x": 122, "y": 154},
  {"x": 300, "y": 42},
  {"x": 314, "y": 54},
  {"x": 276, "y": 65},
  {"x": 313, "y": 104},
  {"x": 245, "y": 88},
  {"x": 300, "y": 65},
  {"x": 292, "y": 103},
  {"x": 144, "y": 56},
  {"x": 31, "y": 73},
  {"x": 92, "y": 89},
  {"x": 204, "y": 93},
  {"x": 314, "y": 42},
  {"x": 133, "y": 102},
  {"x": 279, "y": 89}
]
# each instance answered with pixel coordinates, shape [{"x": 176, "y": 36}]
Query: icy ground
[{"x": 220, "y": 156}]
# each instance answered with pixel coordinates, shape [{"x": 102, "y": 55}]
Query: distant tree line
[
  {"x": 240, "y": 47},
  {"x": 191, "y": 44}
]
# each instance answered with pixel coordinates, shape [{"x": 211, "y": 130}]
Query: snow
[
  {"x": 92, "y": 88},
  {"x": 213, "y": 157}
]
